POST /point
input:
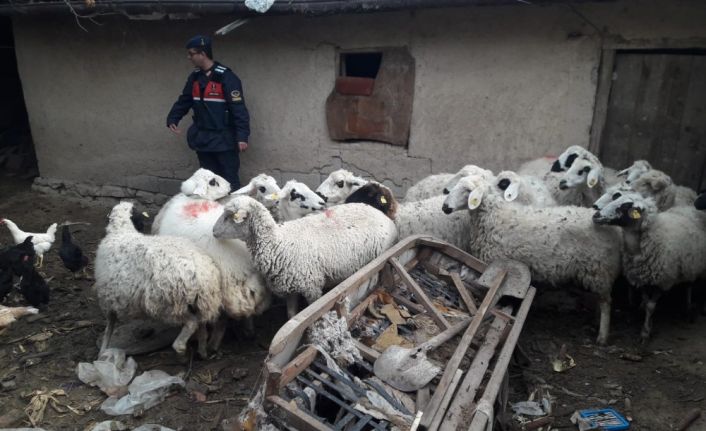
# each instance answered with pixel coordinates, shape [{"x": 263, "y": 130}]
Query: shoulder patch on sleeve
[{"x": 235, "y": 96}]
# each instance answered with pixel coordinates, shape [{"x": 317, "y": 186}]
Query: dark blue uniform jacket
[{"x": 221, "y": 119}]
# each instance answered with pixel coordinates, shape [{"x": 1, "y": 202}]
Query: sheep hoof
[{"x": 601, "y": 341}]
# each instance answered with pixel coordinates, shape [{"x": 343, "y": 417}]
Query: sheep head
[
  {"x": 468, "y": 193},
  {"x": 205, "y": 184},
  {"x": 234, "y": 222},
  {"x": 339, "y": 185},
  {"x": 264, "y": 188},
  {"x": 625, "y": 209},
  {"x": 466, "y": 171}
]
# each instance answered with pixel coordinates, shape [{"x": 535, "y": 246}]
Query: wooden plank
[
  {"x": 368, "y": 353},
  {"x": 457, "y": 414},
  {"x": 341, "y": 309},
  {"x": 455, "y": 253},
  {"x": 287, "y": 338},
  {"x": 408, "y": 303},
  {"x": 295, "y": 417},
  {"x": 689, "y": 168},
  {"x": 600, "y": 110},
  {"x": 422, "y": 298},
  {"x": 455, "y": 361},
  {"x": 445, "y": 401},
  {"x": 465, "y": 295},
  {"x": 480, "y": 421},
  {"x": 273, "y": 379},
  {"x": 296, "y": 366},
  {"x": 422, "y": 398},
  {"x": 359, "y": 309}
]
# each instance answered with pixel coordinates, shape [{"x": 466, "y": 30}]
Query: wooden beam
[
  {"x": 297, "y": 365},
  {"x": 465, "y": 295},
  {"x": 455, "y": 253},
  {"x": 480, "y": 422},
  {"x": 274, "y": 377},
  {"x": 295, "y": 417},
  {"x": 455, "y": 361},
  {"x": 422, "y": 298},
  {"x": 368, "y": 352}
]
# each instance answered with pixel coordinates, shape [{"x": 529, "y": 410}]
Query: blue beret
[{"x": 203, "y": 42}]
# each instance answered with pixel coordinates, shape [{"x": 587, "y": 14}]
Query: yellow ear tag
[
  {"x": 236, "y": 216},
  {"x": 634, "y": 214},
  {"x": 274, "y": 196},
  {"x": 474, "y": 201},
  {"x": 591, "y": 182},
  {"x": 146, "y": 215},
  {"x": 383, "y": 200}
]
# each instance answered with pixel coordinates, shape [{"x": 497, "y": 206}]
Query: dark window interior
[{"x": 361, "y": 64}]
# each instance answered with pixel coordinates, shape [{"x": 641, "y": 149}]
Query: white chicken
[
  {"x": 42, "y": 241},
  {"x": 10, "y": 314}
]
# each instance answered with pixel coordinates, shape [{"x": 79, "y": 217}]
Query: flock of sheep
[{"x": 215, "y": 255}]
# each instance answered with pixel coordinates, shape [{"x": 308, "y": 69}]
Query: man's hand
[
  {"x": 243, "y": 146},
  {"x": 176, "y": 130}
]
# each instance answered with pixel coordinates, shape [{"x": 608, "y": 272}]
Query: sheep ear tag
[
  {"x": 272, "y": 197},
  {"x": 592, "y": 178},
  {"x": 475, "y": 198},
  {"x": 634, "y": 214},
  {"x": 383, "y": 200},
  {"x": 511, "y": 192},
  {"x": 240, "y": 216}
]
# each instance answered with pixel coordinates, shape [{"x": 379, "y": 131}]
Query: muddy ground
[{"x": 664, "y": 381}]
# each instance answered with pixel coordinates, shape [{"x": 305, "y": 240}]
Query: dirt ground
[{"x": 664, "y": 381}]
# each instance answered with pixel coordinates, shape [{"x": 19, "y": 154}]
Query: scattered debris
[
  {"x": 331, "y": 333},
  {"x": 9, "y": 315},
  {"x": 146, "y": 391},
  {"x": 110, "y": 426},
  {"x": 38, "y": 405},
  {"x": 631, "y": 357},
  {"x": 563, "y": 361}
]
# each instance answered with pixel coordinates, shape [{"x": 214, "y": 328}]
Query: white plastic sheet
[
  {"x": 146, "y": 391},
  {"x": 111, "y": 372},
  {"x": 259, "y": 5}
]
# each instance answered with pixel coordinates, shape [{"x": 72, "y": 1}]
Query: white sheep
[
  {"x": 192, "y": 214},
  {"x": 661, "y": 249},
  {"x": 432, "y": 185},
  {"x": 466, "y": 171},
  {"x": 524, "y": 189},
  {"x": 587, "y": 178},
  {"x": 683, "y": 196},
  {"x": 560, "y": 245},
  {"x": 338, "y": 186},
  {"x": 437, "y": 184},
  {"x": 298, "y": 200},
  {"x": 654, "y": 184},
  {"x": 264, "y": 188},
  {"x": 307, "y": 255},
  {"x": 167, "y": 279}
]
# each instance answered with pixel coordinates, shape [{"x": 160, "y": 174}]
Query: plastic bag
[
  {"x": 147, "y": 390},
  {"x": 259, "y": 5},
  {"x": 111, "y": 372},
  {"x": 110, "y": 426}
]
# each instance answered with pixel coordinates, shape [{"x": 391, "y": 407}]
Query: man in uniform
[{"x": 221, "y": 121}]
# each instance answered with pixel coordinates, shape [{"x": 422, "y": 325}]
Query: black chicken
[
  {"x": 15, "y": 260},
  {"x": 71, "y": 255},
  {"x": 34, "y": 288}
]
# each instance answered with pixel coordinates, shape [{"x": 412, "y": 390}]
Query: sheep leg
[
  {"x": 604, "y": 326},
  {"x": 292, "y": 305},
  {"x": 217, "y": 333},
  {"x": 650, "y": 306},
  {"x": 108, "y": 334},
  {"x": 179, "y": 344},
  {"x": 202, "y": 339}
]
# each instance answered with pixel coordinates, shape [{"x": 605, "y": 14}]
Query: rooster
[
  {"x": 14, "y": 260},
  {"x": 71, "y": 255},
  {"x": 42, "y": 241}
]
